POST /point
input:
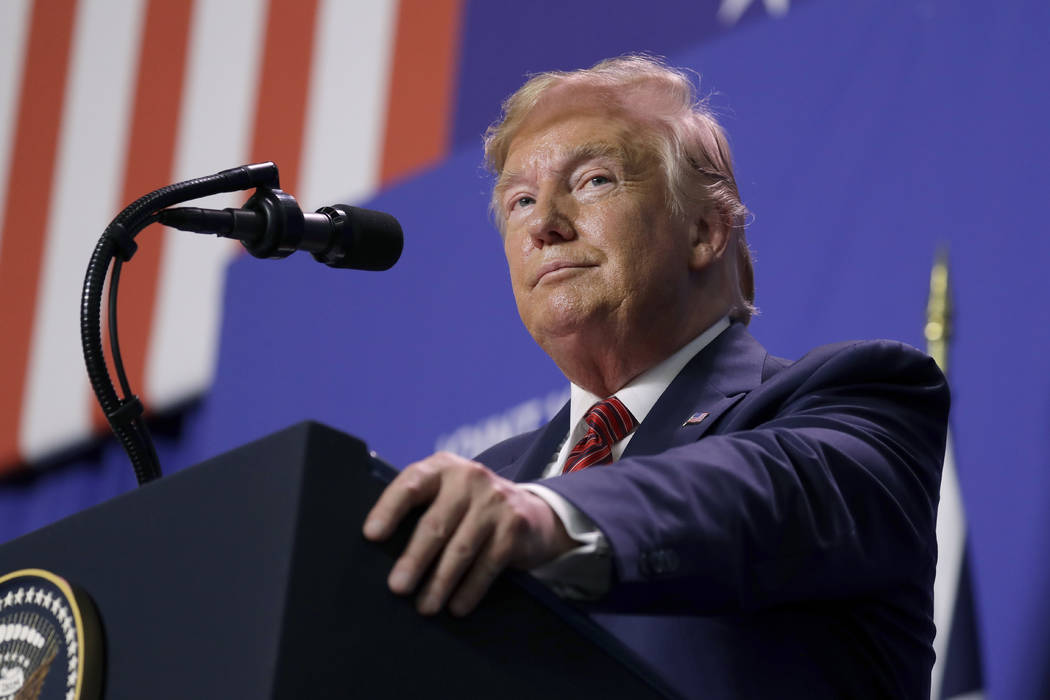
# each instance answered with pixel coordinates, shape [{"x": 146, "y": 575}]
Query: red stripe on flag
[
  {"x": 149, "y": 165},
  {"x": 284, "y": 77},
  {"x": 422, "y": 84},
  {"x": 31, "y": 173}
]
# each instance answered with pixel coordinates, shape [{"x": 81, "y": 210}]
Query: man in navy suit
[{"x": 753, "y": 527}]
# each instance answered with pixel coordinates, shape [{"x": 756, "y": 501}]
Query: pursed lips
[{"x": 555, "y": 265}]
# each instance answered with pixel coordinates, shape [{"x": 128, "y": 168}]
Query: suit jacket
[{"x": 784, "y": 545}]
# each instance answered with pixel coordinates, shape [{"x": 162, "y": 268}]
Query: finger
[
  {"x": 415, "y": 485},
  {"x": 488, "y": 565},
  {"x": 432, "y": 532},
  {"x": 461, "y": 551}
]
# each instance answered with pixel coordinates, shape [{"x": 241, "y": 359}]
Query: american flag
[{"x": 102, "y": 101}]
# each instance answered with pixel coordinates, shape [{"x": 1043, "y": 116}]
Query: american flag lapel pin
[{"x": 695, "y": 418}]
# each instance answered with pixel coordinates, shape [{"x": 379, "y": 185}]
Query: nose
[{"x": 550, "y": 223}]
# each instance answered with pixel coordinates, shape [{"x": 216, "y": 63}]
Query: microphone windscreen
[{"x": 367, "y": 239}]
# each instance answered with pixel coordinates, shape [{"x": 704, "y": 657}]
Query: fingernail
[
  {"x": 429, "y": 605},
  {"x": 399, "y": 581},
  {"x": 373, "y": 528}
]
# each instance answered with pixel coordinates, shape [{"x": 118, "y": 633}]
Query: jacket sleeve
[{"x": 821, "y": 483}]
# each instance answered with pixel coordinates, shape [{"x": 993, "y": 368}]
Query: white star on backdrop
[{"x": 730, "y": 11}]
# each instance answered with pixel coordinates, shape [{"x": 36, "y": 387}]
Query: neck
[{"x": 604, "y": 360}]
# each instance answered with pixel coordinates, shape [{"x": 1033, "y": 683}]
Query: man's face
[{"x": 589, "y": 239}]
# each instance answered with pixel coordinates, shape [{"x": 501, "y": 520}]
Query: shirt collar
[{"x": 642, "y": 392}]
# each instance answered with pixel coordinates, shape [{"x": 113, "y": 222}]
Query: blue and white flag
[{"x": 957, "y": 670}]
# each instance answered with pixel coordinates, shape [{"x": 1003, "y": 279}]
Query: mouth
[{"x": 557, "y": 268}]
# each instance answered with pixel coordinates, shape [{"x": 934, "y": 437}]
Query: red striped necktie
[{"x": 608, "y": 422}]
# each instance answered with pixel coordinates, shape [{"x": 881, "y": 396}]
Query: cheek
[
  {"x": 518, "y": 267},
  {"x": 515, "y": 257},
  {"x": 621, "y": 231}
]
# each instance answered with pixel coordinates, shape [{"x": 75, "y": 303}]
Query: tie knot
[
  {"x": 608, "y": 422},
  {"x": 610, "y": 419}
]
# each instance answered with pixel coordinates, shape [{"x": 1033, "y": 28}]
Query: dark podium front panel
[{"x": 247, "y": 576}]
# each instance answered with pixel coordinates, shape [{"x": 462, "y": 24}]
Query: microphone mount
[{"x": 270, "y": 225}]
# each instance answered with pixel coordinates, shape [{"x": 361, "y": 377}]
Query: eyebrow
[{"x": 572, "y": 158}]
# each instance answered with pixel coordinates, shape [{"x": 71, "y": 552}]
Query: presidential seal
[{"x": 50, "y": 641}]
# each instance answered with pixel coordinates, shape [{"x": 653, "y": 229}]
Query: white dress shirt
[{"x": 584, "y": 572}]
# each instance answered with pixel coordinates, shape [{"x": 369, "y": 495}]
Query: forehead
[
  {"x": 565, "y": 133},
  {"x": 563, "y": 139}
]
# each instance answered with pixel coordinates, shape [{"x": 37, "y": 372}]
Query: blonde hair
[{"x": 685, "y": 137}]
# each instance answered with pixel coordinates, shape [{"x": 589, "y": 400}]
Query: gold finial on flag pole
[{"x": 939, "y": 311}]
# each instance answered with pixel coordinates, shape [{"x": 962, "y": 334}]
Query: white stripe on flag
[
  {"x": 215, "y": 126},
  {"x": 346, "y": 109},
  {"x": 91, "y": 152},
  {"x": 14, "y": 18},
  {"x": 951, "y": 539}
]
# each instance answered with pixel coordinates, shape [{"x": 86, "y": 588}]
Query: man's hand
[{"x": 476, "y": 525}]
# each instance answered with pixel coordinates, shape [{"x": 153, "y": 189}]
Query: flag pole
[
  {"x": 953, "y": 604},
  {"x": 938, "y": 329}
]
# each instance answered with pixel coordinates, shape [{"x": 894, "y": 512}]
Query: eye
[
  {"x": 522, "y": 201},
  {"x": 598, "y": 180}
]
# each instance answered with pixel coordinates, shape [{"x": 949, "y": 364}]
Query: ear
[{"x": 708, "y": 238}]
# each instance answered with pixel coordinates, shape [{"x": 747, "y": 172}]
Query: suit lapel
[
  {"x": 715, "y": 379},
  {"x": 530, "y": 465}
]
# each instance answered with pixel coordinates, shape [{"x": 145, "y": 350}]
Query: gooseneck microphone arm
[{"x": 271, "y": 225}]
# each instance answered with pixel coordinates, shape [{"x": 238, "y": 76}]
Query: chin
[
  {"x": 560, "y": 312},
  {"x": 554, "y": 329}
]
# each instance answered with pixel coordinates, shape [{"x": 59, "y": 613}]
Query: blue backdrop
[{"x": 866, "y": 133}]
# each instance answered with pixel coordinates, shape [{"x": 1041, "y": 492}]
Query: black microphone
[{"x": 271, "y": 225}]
